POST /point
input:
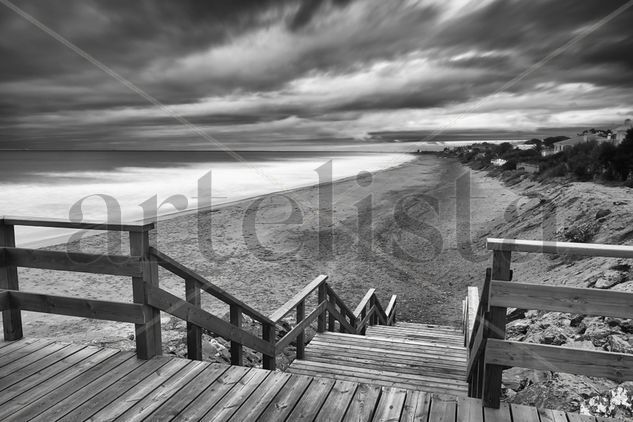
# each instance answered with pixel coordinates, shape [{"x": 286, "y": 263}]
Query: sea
[{"x": 129, "y": 186}]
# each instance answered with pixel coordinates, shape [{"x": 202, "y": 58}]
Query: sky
[{"x": 257, "y": 73}]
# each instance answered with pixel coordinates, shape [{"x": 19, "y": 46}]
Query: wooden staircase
[{"x": 419, "y": 357}]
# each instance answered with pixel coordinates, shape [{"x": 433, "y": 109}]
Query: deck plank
[
  {"x": 104, "y": 390},
  {"x": 502, "y": 414},
  {"x": 61, "y": 401},
  {"x": 212, "y": 394},
  {"x": 575, "y": 417},
  {"x": 32, "y": 388},
  {"x": 548, "y": 415},
  {"x": 132, "y": 393},
  {"x": 443, "y": 409},
  {"x": 390, "y": 405},
  {"x": 257, "y": 402},
  {"x": 416, "y": 407},
  {"x": 231, "y": 402},
  {"x": 285, "y": 401},
  {"x": 337, "y": 402},
  {"x": 363, "y": 404},
  {"x": 521, "y": 413},
  {"x": 469, "y": 410},
  {"x": 310, "y": 403},
  {"x": 41, "y": 363},
  {"x": 185, "y": 395},
  {"x": 27, "y": 356}
]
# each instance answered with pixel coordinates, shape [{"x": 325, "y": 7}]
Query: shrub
[{"x": 581, "y": 233}]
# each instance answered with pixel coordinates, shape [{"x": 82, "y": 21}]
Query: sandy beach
[{"x": 264, "y": 256}]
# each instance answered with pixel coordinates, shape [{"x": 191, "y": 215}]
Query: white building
[{"x": 620, "y": 131}]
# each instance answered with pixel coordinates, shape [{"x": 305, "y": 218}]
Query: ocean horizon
[{"x": 119, "y": 186}]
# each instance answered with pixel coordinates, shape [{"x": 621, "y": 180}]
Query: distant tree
[
  {"x": 538, "y": 144},
  {"x": 504, "y": 148}
]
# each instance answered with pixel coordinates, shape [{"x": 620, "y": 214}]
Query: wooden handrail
[
  {"x": 179, "y": 308},
  {"x": 73, "y": 306},
  {"x": 347, "y": 311},
  {"x": 84, "y": 225},
  {"x": 562, "y": 299},
  {"x": 593, "y": 363},
  {"x": 182, "y": 271},
  {"x": 363, "y": 302},
  {"x": 291, "y": 304},
  {"x": 121, "y": 265},
  {"x": 561, "y": 248}
]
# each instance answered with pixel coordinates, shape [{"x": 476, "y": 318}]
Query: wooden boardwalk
[
  {"x": 415, "y": 356},
  {"x": 49, "y": 381}
]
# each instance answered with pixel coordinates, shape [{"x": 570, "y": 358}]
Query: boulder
[
  {"x": 599, "y": 333},
  {"x": 618, "y": 344},
  {"x": 615, "y": 403},
  {"x": 609, "y": 279},
  {"x": 602, "y": 213},
  {"x": 517, "y": 329},
  {"x": 563, "y": 392}
]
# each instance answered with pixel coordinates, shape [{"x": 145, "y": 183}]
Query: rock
[
  {"x": 602, "y": 213},
  {"x": 599, "y": 333},
  {"x": 609, "y": 279},
  {"x": 517, "y": 329},
  {"x": 514, "y": 314},
  {"x": 624, "y": 287},
  {"x": 618, "y": 344},
  {"x": 615, "y": 403},
  {"x": 552, "y": 328},
  {"x": 562, "y": 391},
  {"x": 518, "y": 378}
]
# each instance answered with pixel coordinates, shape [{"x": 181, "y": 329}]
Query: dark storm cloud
[{"x": 248, "y": 63}]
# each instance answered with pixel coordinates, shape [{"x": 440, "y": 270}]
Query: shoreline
[{"x": 62, "y": 238}]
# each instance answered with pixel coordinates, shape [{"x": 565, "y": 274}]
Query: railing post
[
  {"x": 331, "y": 321},
  {"x": 301, "y": 314},
  {"x": 194, "y": 333},
  {"x": 236, "y": 348},
  {"x": 495, "y": 328},
  {"x": 374, "y": 318},
  {"x": 363, "y": 314},
  {"x": 148, "y": 337},
  {"x": 11, "y": 318},
  {"x": 321, "y": 298},
  {"x": 268, "y": 334}
]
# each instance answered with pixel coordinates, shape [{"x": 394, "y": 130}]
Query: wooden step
[
  {"x": 399, "y": 344},
  {"x": 379, "y": 377},
  {"x": 414, "y": 334}
]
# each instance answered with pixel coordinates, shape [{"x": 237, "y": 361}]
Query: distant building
[
  {"x": 620, "y": 131},
  {"x": 563, "y": 145},
  {"x": 528, "y": 167},
  {"x": 498, "y": 162}
]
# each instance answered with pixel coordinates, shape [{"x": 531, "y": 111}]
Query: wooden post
[
  {"x": 331, "y": 322},
  {"x": 374, "y": 318},
  {"x": 236, "y": 348},
  {"x": 268, "y": 334},
  {"x": 11, "y": 318},
  {"x": 495, "y": 328},
  {"x": 194, "y": 333},
  {"x": 321, "y": 298},
  {"x": 148, "y": 337},
  {"x": 301, "y": 314},
  {"x": 363, "y": 314}
]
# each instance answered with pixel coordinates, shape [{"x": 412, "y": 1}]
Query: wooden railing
[
  {"x": 149, "y": 299},
  {"x": 490, "y": 353}
]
